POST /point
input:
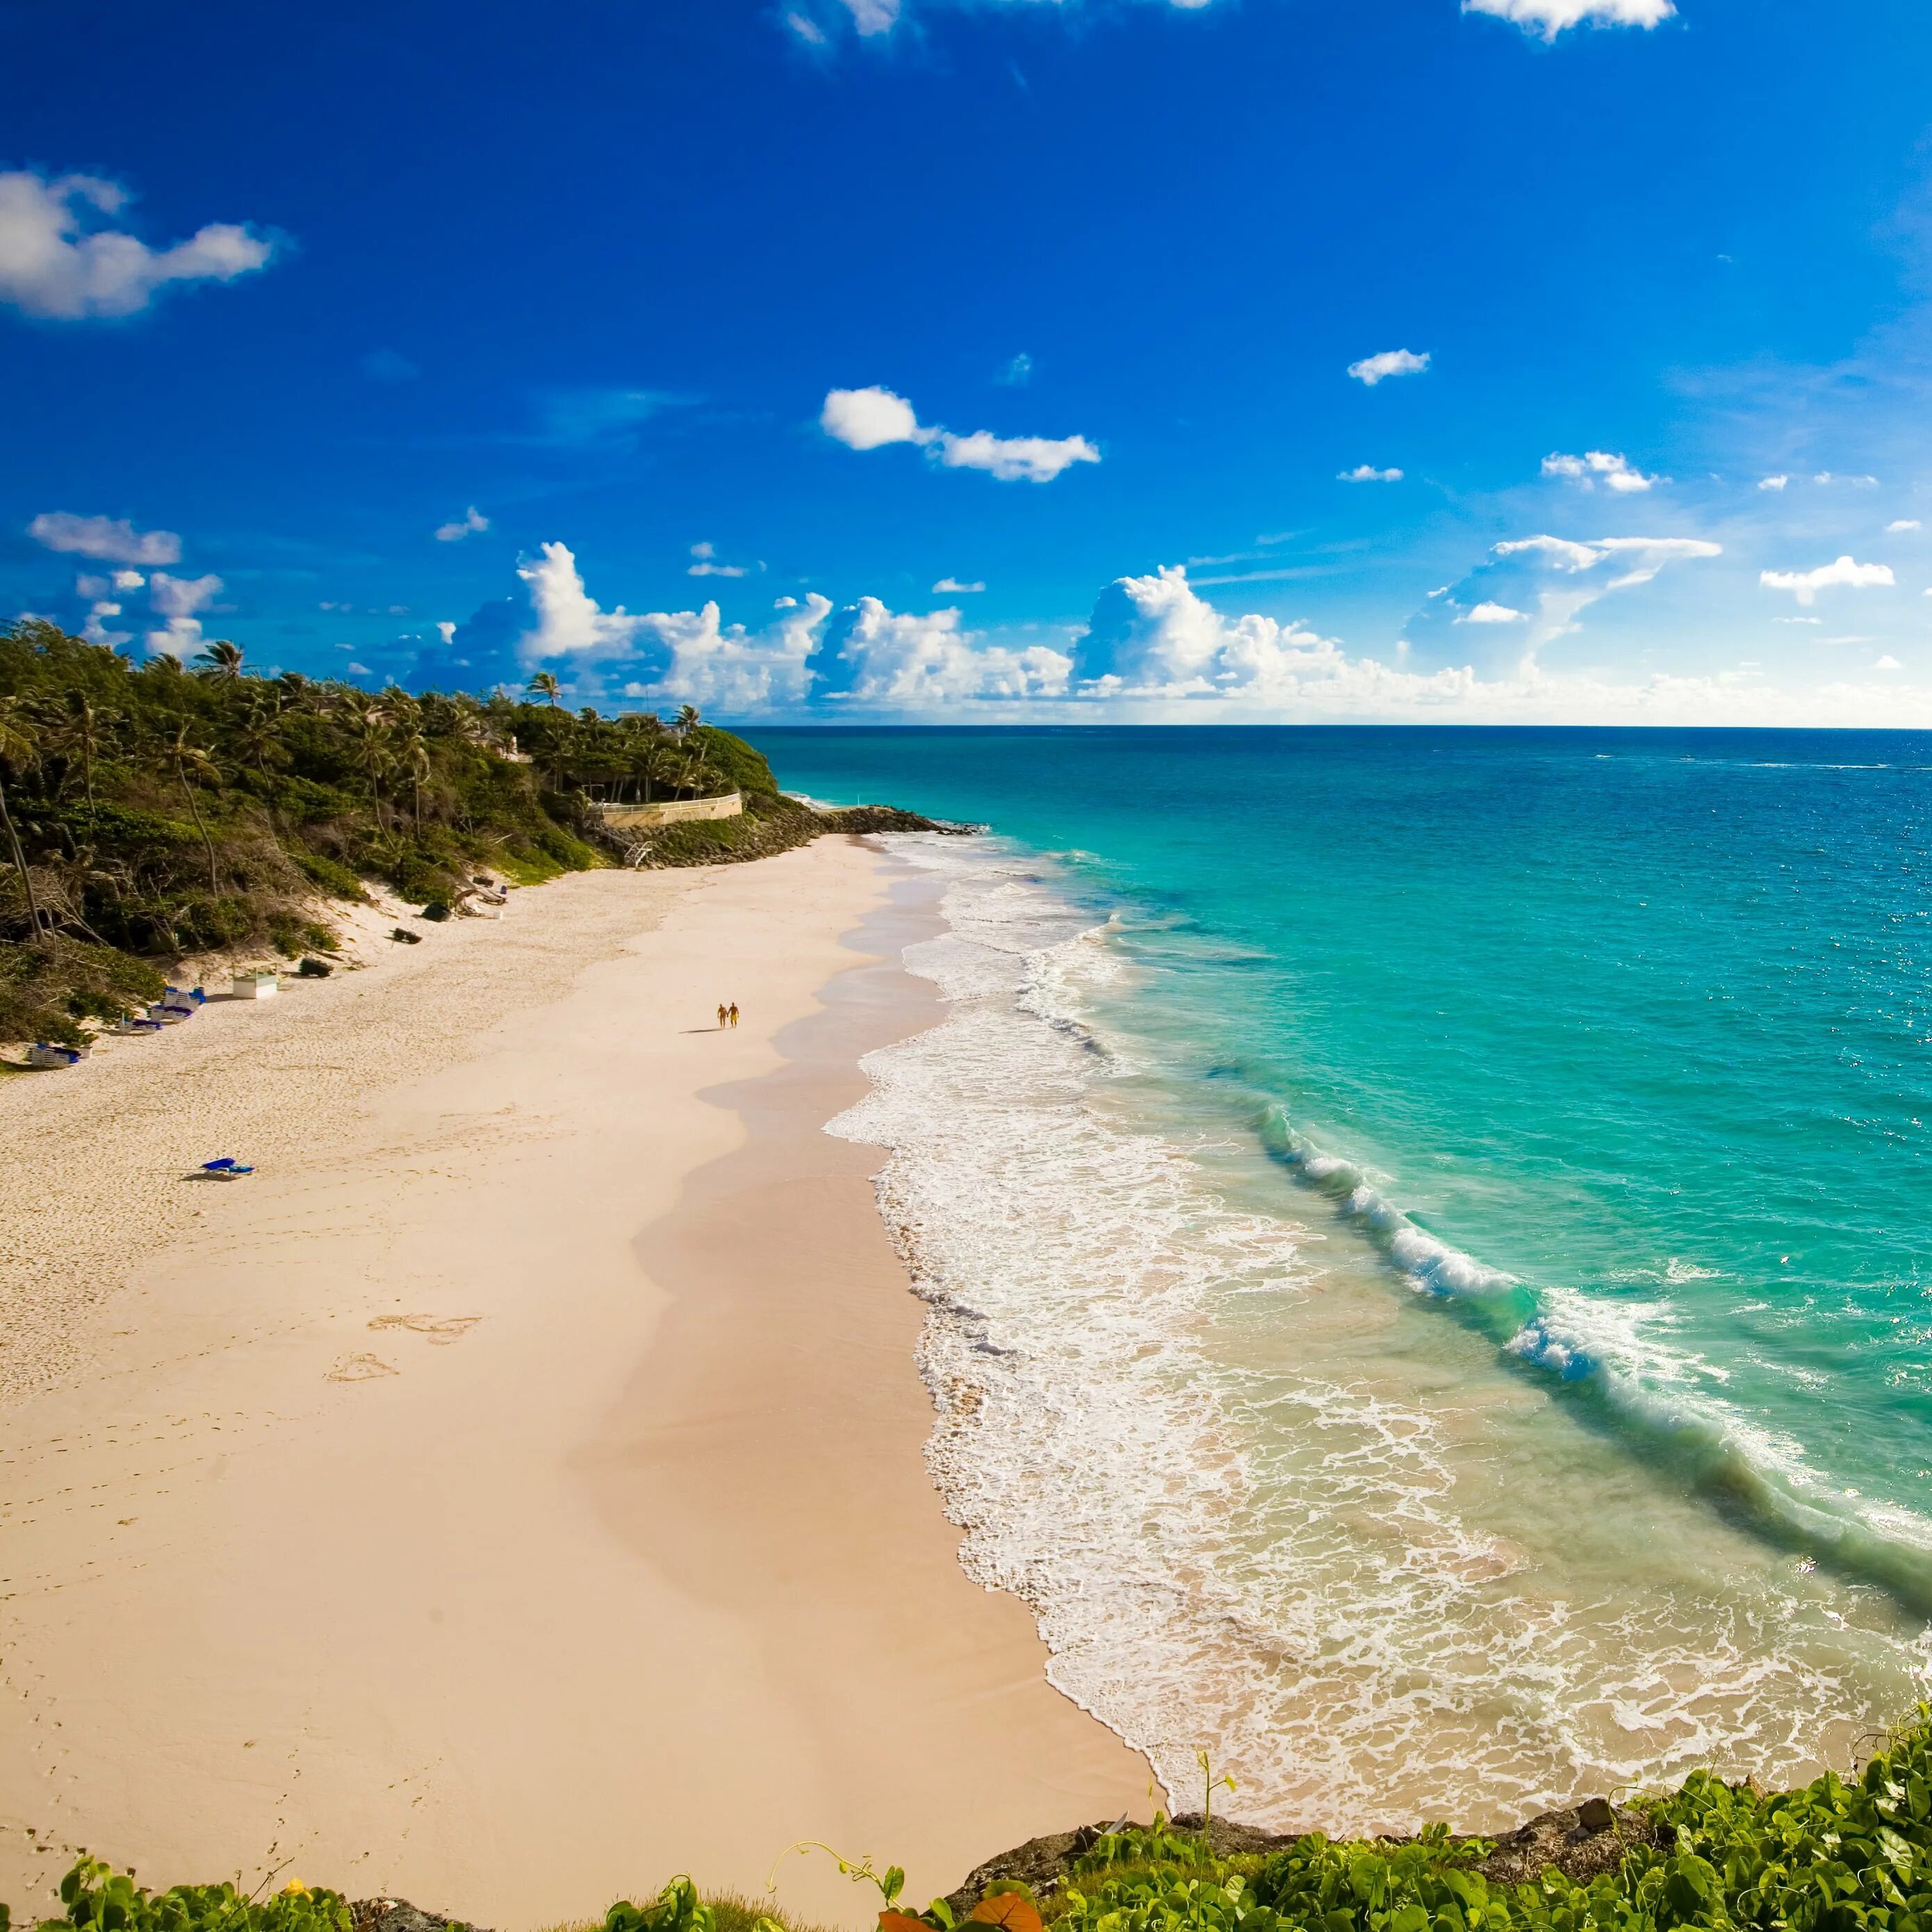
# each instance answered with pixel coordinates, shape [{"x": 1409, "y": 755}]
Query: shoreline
[{"x": 314, "y": 1568}]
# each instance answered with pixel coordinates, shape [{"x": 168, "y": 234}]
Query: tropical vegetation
[
  {"x": 151, "y": 811},
  {"x": 1840, "y": 1855}
]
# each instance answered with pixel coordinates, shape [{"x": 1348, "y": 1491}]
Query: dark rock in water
[
  {"x": 860, "y": 818},
  {"x": 398, "y": 1915},
  {"x": 1580, "y": 1844}
]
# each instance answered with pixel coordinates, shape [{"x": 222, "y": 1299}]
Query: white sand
[{"x": 441, "y": 1513}]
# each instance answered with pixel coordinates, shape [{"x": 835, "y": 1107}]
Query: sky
[{"x": 1537, "y": 360}]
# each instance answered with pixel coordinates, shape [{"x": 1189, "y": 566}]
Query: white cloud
[
  {"x": 874, "y": 16},
  {"x": 809, "y": 31},
  {"x": 684, "y": 656},
  {"x": 1156, "y": 636},
  {"x": 1495, "y": 613},
  {"x": 871, "y": 655},
  {"x": 1888, "y": 662},
  {"x": 1550, "y": 17},
  {"x": 1902, "y": 523},
  {"x": 1374, "y": 369},
  {"x": 177, "y": 599},
  {"x": 1617, "y": 473},
  {"x": 706, "y": 563},
  {"x": 446, "y": 630},
  {"x": 1857, "y": 482},
  {"x": 472, "y": 520},
  {"x": 1806, "y": 584},
  {"x": 1018, "y": 373},
  {"x": 1365, "y": 472},
  {"x": 1772, "y": 482},
  {"x": 1013, "y": 459},
  {"x": 873, "y": 418},
  {"x": 113, "y": 540},
  {"x": 951, "y": 586},
  {"x": 58, "y": 261}
]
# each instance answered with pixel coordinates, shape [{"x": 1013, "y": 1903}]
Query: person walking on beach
[
  {"x": 721, "y": 1016},
  {"x": 734, "y": 1013}
]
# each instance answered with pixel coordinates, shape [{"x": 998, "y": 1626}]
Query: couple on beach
[{"x": 728, "y": 1016}]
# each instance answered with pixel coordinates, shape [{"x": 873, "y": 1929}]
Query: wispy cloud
[
  {"x": 111, "y": 539},
  {"x": 951, "y": 586},
  {"x": 471, "y": 521},
  {"x": 61, "y": 261},
  {"x": 871, "y": 418},
  {"x": 1845, "y": 574},
  {"x": 1615, "y": 472},
  {"x": 1373, "y": 369},
  {"x": 704, "y": 563},
  {"x": 1551, "y": 17},
  {"x": 1366, "y": 473},
  {"x": 1017, "y": 374}
]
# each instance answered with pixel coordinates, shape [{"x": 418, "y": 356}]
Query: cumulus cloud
[
  {"x": 951, "y": 586},
  {"x": 705, "y": 563},
  {"x": 874, "y": 16},
  {"x": 177, "y": 599},
  {"x": 873, "y": 418},
  {"x": 1374, "y": 369},
  {"x": 1615, "y": 471},
  {"x": 1366, "y": 473},
  {"x": 905, "y": 662},
  {"x": 60, "y": 262},
  {"x": 1888, "y": 662},
  {"x": 111, "y": 539},
  {"x": 1550, "y": 17},
  {"x": 1772, "y": 482},
  {"x": 1530, "y": 592},
  {"x": 472, "y": 520},
  {"x": 1805, "y": 585},
  {"x": 1902, "y": 523}
]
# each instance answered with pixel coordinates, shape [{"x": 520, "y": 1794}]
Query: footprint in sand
[
  {"x": 360, "y": 1368},
  {"x": 441, "y": 1329}
]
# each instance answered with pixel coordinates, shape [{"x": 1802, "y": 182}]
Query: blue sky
[{"x": 988, "y": 358}]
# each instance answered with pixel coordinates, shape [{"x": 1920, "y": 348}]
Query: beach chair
[
  {"x": 184, "y": 1003},
  {"x": 226, "y": 1169},
  {"x": 42, "y": 1055},
  {"x": 166, "y": 1016},
  {"x": 137, "y": 1028}
]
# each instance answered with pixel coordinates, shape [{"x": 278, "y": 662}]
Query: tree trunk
[
  {"x": 214, "y": 872},
  {"x": 20, "y": 864}
]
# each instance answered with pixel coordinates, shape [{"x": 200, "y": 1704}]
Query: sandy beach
[{"x": 511, "y": 1494}]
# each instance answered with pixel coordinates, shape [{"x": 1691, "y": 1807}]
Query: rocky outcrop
[
  {"x": 1580, "y": 1843},
  {"x": 398, "y": 1915}
]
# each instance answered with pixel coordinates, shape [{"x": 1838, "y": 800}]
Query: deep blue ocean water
[{"x": 1604, "y": 1056}]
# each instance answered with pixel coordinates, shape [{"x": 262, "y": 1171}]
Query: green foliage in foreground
[{"x": 1838, "y": 1856}]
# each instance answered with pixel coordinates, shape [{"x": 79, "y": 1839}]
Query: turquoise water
[{"x": 1564, "y": 1092}]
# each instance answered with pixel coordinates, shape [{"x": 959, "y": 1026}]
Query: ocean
[{"x": 1426, "y": 1239}]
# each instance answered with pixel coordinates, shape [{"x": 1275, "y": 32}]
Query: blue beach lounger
[{"x": 226, "y": 1169}]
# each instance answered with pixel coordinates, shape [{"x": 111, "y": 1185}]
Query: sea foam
[{"x": 1225, "y": 1547}]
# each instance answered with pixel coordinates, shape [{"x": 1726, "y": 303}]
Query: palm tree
[
  {"x": 83, "y": 729},
  {"x": 189, "y": 756},
  {"x": 371, "y": 756},
  {"x": 689, "y": 719},
  {"x": 259, "y": 732},
  {"x": 19, "y": 749},
  {"x": 544, "y": 684},
  {"x": 416, "y": 753},
  {"x": 223, "y": 660}
]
